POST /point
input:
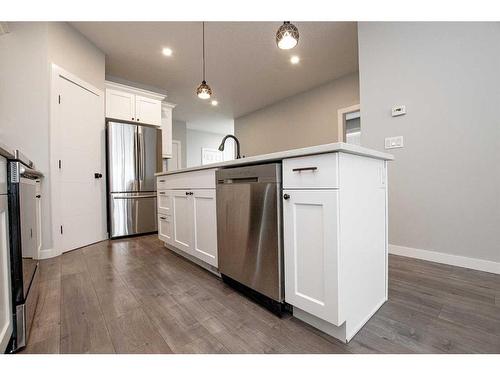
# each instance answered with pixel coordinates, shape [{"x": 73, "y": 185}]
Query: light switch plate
[
  {"x": 398, "y": 110},
  {"x": 394, "y": 142}
]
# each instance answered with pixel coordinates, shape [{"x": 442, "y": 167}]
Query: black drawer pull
[
  {"x": 304, "y": 169},
  {"x": 163, "y": 218},
  {"x": 161, "y": 193},
  {"x": 286, "y": 196}
]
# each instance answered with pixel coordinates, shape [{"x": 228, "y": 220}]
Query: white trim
[
  {"x": 444, "y": 258},
  {"x": 167, "y": 105},
  {"x": 48, "y": 253},
  {"x": 341, "y": 112},
  {"x": 136, "y": 90}
]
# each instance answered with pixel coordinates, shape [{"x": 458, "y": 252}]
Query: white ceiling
[{"x": 244, "y": 67}]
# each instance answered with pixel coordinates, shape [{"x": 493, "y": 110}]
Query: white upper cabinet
[
  {"x": 131, "y": 104},
  {"x": 166, "y": 129},
  {"x": 148, "y": 110},
  {"x": 120, "y": 105}
]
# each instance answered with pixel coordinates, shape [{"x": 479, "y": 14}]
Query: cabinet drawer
[
  {"x": 311, "y": 172},
  {"x": 165, "y": 228},
  {"x": 161, "y": 183},
  {"x": 203, "y": 179},
  {"x": 164, "y": 202}
]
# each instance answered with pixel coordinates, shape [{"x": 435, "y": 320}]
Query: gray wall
[
  {"x": 27, "y": 52},
  {"x": 196, "y": 140},
  {"x": 306, "y": 119},
  {"x": 444, "y": 186}
]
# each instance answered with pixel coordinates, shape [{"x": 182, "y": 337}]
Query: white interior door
[
  {"x": 174, "y": 162},
  {"x": 78, "y": 196}
]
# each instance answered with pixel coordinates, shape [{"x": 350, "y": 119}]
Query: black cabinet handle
[
  {"x": 286, "y": 196},
  {"x": 137, "y": 119},
  {"x": 97, "y": 175},
  {"x": 304, "y": 169},
  {"x": 189, "y": 193},
  {"x": 38, "y": 196},
  {"x": 132, "y": 118}
]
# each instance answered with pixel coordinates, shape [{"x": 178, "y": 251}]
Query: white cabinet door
[
  {"x": 182, "y": 217},
  {"x": 120, "y": 105},
  {"x": 205, "y": 226},
  {"x": 147, "y": 110},
  {"x": 166, "y": 132},
  {"x": 5, "y": 293},
  {"x": 310, "y": 221},
  {"x": 165, "y": 228}
]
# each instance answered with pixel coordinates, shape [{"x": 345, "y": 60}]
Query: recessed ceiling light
[
  {"x": 295, "y": 59},
  {"x": 167, "y": 51},
  {"x": 215, "y": 103}
]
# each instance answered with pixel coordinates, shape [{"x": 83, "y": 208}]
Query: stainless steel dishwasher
[{"x": 249, "y": 232}]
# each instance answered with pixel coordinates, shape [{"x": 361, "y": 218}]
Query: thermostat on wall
[{"x": 398, "y": 110}]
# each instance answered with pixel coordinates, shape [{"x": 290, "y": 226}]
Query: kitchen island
[{"x": 334, "y": 229}]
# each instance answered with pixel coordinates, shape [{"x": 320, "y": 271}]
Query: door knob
[
  {"x": 286, "y": 196},
  {"x": 97, "y": 175}
]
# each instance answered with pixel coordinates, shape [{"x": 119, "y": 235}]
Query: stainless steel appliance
[
  {"x": 133, "y": 157},
  {"x": 249, "y": 231},
  {"x": 22, "y": 197},
  {"x": 6, "y": 318}
]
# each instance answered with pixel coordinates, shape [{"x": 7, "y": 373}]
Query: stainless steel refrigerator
[{"x": 133, "y": 157}]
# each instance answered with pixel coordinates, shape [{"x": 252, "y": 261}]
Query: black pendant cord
[{"x": 203, "y": 58}]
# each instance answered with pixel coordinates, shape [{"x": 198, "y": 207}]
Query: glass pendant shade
[
  {"x": 204, "y": 91},
  {"x": 287, "y": 36}
]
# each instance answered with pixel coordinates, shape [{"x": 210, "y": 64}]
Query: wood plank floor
[{"x": 135, "y": 296}]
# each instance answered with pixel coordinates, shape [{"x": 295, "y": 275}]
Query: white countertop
[{"x": 276, "y": 156}]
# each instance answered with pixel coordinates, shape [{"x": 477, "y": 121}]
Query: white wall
[
  {"x": 305, "y": 119},
  {"x": 26, "y": 54},
  {"x": 196, "y": 140},
  {"x": 73, "y": 52},
  {"x": 444, "y": 186}
]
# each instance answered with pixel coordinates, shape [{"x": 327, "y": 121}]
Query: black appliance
[{"x": 22, "y": 180}]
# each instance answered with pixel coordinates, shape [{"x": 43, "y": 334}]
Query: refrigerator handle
[
  {"x": 136, "y": 158},
  {"x": 142, "y": 155}
]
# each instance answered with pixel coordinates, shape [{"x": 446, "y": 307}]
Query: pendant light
[
  {"x": 287, "y": 36},
  {"x": 204, "y": 91}
]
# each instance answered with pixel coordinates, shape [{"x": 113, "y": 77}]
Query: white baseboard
[
  {"x": 453, "y": 260},
  {"x": 48, "y": 253}
]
